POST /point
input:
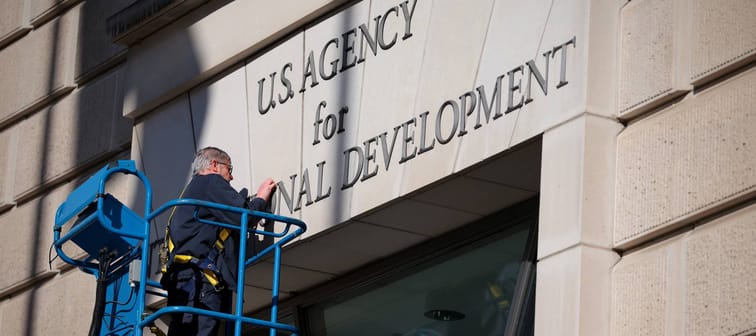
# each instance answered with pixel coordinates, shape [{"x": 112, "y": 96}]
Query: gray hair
[{"x": 205, "y": 156}]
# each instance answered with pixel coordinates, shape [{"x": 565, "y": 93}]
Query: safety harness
[{"x": 208, "y": 265}]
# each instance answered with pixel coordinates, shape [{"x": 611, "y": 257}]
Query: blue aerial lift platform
[{"x": 116, "y": 241}]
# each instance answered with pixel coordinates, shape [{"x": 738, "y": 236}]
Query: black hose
[{"x": 102, "y": 285}]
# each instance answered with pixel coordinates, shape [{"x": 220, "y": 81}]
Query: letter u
[{"x": 271, "y": 103}]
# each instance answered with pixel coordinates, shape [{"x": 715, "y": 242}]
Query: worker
[{"x": 202, "y": 271}]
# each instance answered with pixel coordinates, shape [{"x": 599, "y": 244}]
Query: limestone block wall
[
  {"x": 696, "y": 283},
  {"x": 61, "y": 91},
  {"x": 685, "y": 179}
]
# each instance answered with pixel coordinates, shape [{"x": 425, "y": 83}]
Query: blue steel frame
[{"x": 93, "y": 190}]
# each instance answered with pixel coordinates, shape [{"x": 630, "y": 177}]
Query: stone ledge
[
  {"x": 14, "y": 21},
  {"x": 41, "y": 15},
  {"x": 66, "y": 176},
  {"x": 36, "y": 105},
  {"x": 652, "y": 61},
  {"x": 20, "y": 286},
  {"x": 144, "y": 17},
  {"x": 723, "y": 37},
  {"x": 652, "y": 102},
  {"x": 14, "y": 35},
  {"x": 96, "y": 51},
  {"x": 723, "y": 68},
  {"x": 151, "y": 83},
  {"x": 6, "y": 206}
]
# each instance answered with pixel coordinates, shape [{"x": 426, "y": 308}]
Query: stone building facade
[{"x": 595, "y": 160}]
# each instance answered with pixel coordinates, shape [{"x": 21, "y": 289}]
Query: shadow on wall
[
  {"x": 78, "y": 133},
  {"x": 164, "y": 142},
  {"x": 166, "y": 138},
  {"x": 35, "y": 248},
  {"x": 94, "y": 132}
]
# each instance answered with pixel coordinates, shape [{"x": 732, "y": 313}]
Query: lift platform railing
[
  {"x": 105, "y": 225},
  {"x": 285, "y": 236}
]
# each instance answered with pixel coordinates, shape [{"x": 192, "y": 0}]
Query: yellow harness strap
[{"x": 211, "y": 277}]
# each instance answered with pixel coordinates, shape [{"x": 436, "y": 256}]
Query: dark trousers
[{"x": 189, "y": 287}]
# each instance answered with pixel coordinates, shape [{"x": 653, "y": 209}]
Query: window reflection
[{"x": 467, "y": 294}]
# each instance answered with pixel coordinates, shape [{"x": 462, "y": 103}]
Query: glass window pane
[{"x": 469, "y": 294}]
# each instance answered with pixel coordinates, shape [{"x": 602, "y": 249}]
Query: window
[{"x": 479, "y": 285}]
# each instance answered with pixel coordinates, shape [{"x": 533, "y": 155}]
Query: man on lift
[{"x": 203, "y": 261}]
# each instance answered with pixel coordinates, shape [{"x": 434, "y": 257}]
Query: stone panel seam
[
  {"x": 439, "y": 205},
  {"x": 745, "y": 332},
  {"x": 63, "y": 267},
  {"x": 641, "y": 278},
  {"x": 191, "y": 117},
  {"x": 422, "y": 59},
  {"x": 734, "y": 71},
  {"x": 268, "y": 289},
  {"x": 23, "y": 28},
  {"x": 388, "y": 228},
  {"x": 6, "y": 206},
  {"x": 721, "y": 65},
  {"x": 53, "y": 12},
  {"x": 499, "y": 183},
  {"x": 36, "y": 106},
  {"x": 310, "y": 270},
  {"x": 578, "y": 115},
  {"x": 101, "y": 69},
  {"x": 67, "y": 175},
  {"x": 271, "y": 289},
  {"x": 683, "y": 281},
  {"x": 646, "y": 100},
  {"x": 458, "y": 149},
  {"x": 352, "y": 204},
  {"x": 667, "y": 238},
  {"x": 22, "y": 285},
  {"x": 10, "y": 171},
  {"x": 537, "y": 52},
  {"x": 689, "y": 212},
  {"x": 14, "y": 36},
  {"x": 483, "y": 45},
  {"x": 606, "y": 117},
  {"x": 576, "y": 245}
]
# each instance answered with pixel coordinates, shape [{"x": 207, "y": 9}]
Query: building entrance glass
[{"x": 484, "y": 288}]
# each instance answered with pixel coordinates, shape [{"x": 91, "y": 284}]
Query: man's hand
[{"x": 266, "y": 189}]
